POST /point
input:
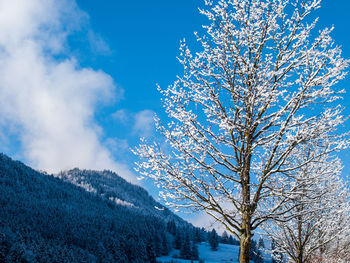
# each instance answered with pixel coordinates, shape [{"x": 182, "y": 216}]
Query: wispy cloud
[
  {"x": 144, "y": 123},
  {"x": 45, "y": 93},
  {"x": 122, "y": 116},
  {"x": 98, "y": 44}
]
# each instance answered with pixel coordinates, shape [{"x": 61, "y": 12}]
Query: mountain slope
[
  {"x": 112, "y": 187},
  {"x": 46, "y": 219}
]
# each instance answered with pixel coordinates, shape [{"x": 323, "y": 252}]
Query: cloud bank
[{"x": 47, "y": 99}]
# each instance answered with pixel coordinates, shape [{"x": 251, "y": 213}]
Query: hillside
[
  {"x": 114, "y": 188},
  {"x": 78, "y": 216}
]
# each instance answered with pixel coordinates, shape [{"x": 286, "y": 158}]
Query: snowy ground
[{"x": 225, "y": 254}]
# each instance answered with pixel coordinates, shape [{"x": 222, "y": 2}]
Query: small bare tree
[{"x": 262, "y": 84}]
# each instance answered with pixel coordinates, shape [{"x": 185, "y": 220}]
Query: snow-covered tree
[
  {"x": 261, "y": 84},
  {"x": 338, "y": 251},
  {"x": 318, "y": 211},
  {"x": 255, "y": 253},
  {"x": 261, "y": 244},
  {"x": 277, "y": 255}
]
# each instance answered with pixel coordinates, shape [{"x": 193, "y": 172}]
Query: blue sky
[
  {"x": 78, "y": 87},
  {"x": 144, "y": 41}
]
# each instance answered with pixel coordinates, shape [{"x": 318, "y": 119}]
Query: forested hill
[
  {"x": 45, "y": 218},
  {"x": 114, "y": 188}
]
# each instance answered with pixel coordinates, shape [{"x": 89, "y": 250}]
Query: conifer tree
[
  {"x": 261, "y": 244},
  {"x": 230, "y": 240},
  {"x": 213, "y": 239},
  {"x": 194, "y": 251},
  {"x": 224, "y": 238},
  {"x": 171, "y": 227},
  {"x": 186, "y": 251},
  {"x": 178, "y": 240},
  {"x": 255, "y": 253},
  {"x": 198, "y": 235},
  {"x": 165, "y": 244}
]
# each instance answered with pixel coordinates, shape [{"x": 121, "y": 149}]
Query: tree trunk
[
  {"x": 300, "y": 258},
  {"x": 246, "y": 231},
  {"x": 300, "y": 235},
  {"x": 245, "y": 244}
]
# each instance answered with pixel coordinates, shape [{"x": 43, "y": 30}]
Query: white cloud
[
  {"x": 98, "y": 44},
  {"x": 144, "y": 123},
  {"x": 45, "y": 93},
  {"x": 121, "y": 115}
]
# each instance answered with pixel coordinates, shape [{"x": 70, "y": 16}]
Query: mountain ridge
[{"x": 113, "y": 187}]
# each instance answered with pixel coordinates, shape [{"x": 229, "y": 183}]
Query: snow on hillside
[
  {"x": 224, "y": 254},
  {"x": 111, "y": 186}
]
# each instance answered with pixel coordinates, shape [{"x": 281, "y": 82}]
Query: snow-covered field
[{"x": 225, "y": 253}]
